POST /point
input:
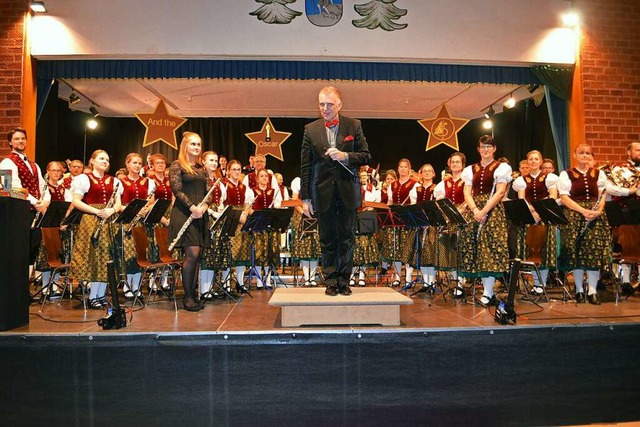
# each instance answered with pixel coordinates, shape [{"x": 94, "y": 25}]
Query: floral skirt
[
  {"x": 589, "y": 251},
  {"x": 304, "y": 245},
  {"x": 89, "y": 262}
]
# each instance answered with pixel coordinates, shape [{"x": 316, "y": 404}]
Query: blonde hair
[
  {"x": 94, "y": 155},
  {"x": 129, "y": 157},
  {"x": 183, "y": 158}
]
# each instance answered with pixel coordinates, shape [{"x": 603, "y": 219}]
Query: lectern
[{"x": 15, "y": 229}]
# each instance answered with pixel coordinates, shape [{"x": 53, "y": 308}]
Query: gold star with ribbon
[
  {"x": 443, "y": 129},
  {"x": 268, "y": 140},
  {"x": 161, "y": 126}
]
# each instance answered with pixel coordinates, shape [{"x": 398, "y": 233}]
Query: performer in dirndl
[
  {"x": 401, "y": 250},
  {"x": 585, "y": 240},
  {"x": 427, "y": 235},
  {"x": 96, "y": 195},
  {"x": 235, "y": 193},
  {"x": 537, "y": 185},
  {"x": 135, "y": 186},
  {"x": 452, "y": 188},
  {"x": 483, "y": 244}
]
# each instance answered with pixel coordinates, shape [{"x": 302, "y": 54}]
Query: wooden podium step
[{"x": 365, "y": 306}]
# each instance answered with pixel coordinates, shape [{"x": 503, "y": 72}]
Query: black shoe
[
  {"x": 242, "y": 289},
  {"x": 593, "y": 299},
  {"x": 458, "y": 292},
  {"x": 344, "y": 290},
  {"x": 190, "y": 304},
  {"x": 580, "y": 297},
  {"x": 536, "y": 291},
  {"x": 331, "y": 290},
  {"x": 97, "y": 304},
  {"x": 626, "y": 289}
]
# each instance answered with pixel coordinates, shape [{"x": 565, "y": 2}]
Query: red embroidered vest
[
  {"x": 483, "y": 177},
  {"x": 401, "y": 192},
  {"x": 28, "y": 178},
  {"x": 163, "y": 189},
  {"x": 536, "y": 188},
  {"x": 264, "y": 198},
  {"x": 425, "y": 193},
  {"x": 57, "y": 192},
  {"x": 138, "y": 189},
  {"x": 100, "y": 190},
  {"x": 583, "y": 187},
  {"x": 454, "y": 190},
  {"x": 235, "y": 193}
]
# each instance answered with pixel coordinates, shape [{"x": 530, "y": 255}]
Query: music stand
[
  {"x": 366, "y": 224},
  {"x": 438, "y": 218},
  {"x": 413, "y": 217},
  {"x": 549, "y": 211},
  {"x": 451, "y": 212},
  {"x": 157, "y": 212},
  {"x": 54, "y": 215},
  {"x": 279, "y": 221},
  {"x": 389, "y": 219},
  {"x": 126, "y": 216},
  {"x": 73, "y": 218},
  {"x": 225, "y": 227}
]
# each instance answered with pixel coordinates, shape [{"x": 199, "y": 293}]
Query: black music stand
[
  {"x": 225, "y": 227},
  {"x": 436, "y": 218},
  {"x": 256, "y": 222},
  {"x": 73, "y": 218},
  {"x": 279, "y": 220},
  {"x": 549, "y": 211},
  {"x": 366, "y": 224},
  {"x": 157, "y": 212},
  {"x": 389, "y": 219},
  {"x": 125, "y": 217},
  {"x": 413, "y": 217}
]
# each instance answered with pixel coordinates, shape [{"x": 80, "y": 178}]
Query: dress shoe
[
  {"x": 344, "y": 290},
  {"x": 352, "y": 282},
  {"x": 361, "y": 282},
  {"x": 242, "y": 289},
  {"x": 313, "y": 283},
  {"x": 190, "y": 304},
  {"x": 580, "y": 297},
  {"x": 395, "y": 283},
  {"x": 458, "y": 292},
  {"x": 332, "y": 290},
  {"x": 593, "y": 299},
  {"x": 97, "y": 303},
  {"x": 626, "y": 289}
]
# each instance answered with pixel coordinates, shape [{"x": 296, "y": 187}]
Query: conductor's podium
[{"x": 365, "y": 306}]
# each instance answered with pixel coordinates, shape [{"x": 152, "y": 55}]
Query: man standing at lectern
[{"x": 333, "y": 148}]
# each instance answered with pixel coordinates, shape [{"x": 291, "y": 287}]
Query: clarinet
[
  {"x": 45, "y": 187},
  {"x": 112, "y": 201},
  {"x": 588, "y": 223},
  {"x": 139, "y": 215},
  {"x": 190, "y": 219}
]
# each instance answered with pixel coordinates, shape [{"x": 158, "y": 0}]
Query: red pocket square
[{"x": 348, "y": 138}]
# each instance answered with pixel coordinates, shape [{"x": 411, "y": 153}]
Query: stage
[{"x": 447, "y": 363}]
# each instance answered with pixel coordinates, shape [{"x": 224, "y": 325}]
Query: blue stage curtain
[
  {"x": 291, "y": 70},
  {"x": 44, "y": 88}
]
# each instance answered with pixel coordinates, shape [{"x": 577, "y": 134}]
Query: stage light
[
  {"x": 38, "y": 7},
  {"x": 73, "y": 98},
  {"x": 490, "y": 112},
  {"x": 92, "y": 124},
  {"x": 570, "y": 19},
  {"x": 487, "y": 124},
  {"x": 510, "y": 103},
  {"x": 94, "y": 111}
]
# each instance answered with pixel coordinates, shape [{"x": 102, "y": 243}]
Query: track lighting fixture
[
  {"x": 73, "y": 98},
  {"x": 94, "y": 111},
  {"x": 38, "y": 6},
  {"x": 510, "y": 103},
  {"x": 490, "y": 112}
]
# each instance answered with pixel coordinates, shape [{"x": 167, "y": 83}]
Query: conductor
[{"x": 333, "y": 148}]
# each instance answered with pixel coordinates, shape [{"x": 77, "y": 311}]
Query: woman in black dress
[{"x": 189, "y": 185}]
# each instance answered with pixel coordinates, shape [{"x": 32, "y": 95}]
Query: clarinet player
[{"x": 189, "y": 185}]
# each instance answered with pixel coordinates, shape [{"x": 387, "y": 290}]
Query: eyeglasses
[
  {"x": 235, "y": 169},
  {"x": 486, "y": 147}
]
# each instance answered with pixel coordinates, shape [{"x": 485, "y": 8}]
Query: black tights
[{"x": 189, "y": 267}]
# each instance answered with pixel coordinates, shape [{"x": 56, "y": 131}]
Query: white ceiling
[{"x": 285, "y": 98}]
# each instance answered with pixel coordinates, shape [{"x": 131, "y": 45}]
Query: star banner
[
  {"x": 443, "y": 129},
  {"x": 161, "y": 126},
  {"x": 268, "y": 140}
]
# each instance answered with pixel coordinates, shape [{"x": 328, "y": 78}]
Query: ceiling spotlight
[
  {"x": 510, "y": 103},
  {"x": 487, "y": 124},
  {"x": 94, "y": 111},
  {"x": 73, "y": 98},
  {"x": 490, "y": 112},
  {"x": 570, "y": 19},
  {"x": 92, "y": 124},
  {"x": 38, "y": 6},
  {"x": 533, "y": 87}
]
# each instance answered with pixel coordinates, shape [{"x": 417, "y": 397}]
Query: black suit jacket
[{"x": 318, "y": 172}]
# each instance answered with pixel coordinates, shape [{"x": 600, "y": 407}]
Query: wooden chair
[
  {"x": 53, "y": 244},
  {"x": 535, "y": 240},
  {"x": 628, "y": 237},
  {"x": 174, "y": 266},
  {"x": 141, "y": 243}
]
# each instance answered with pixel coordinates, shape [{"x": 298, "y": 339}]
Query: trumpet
[
  {"x": 139, "y": 215},
  {"x": 43, "y": 189},
  {"x": 190, "y": 219},
  {"x": 101, "y": 222}
]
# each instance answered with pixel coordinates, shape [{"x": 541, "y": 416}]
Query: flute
[
  {"x": 191, "y": 218},
  {"x": 102, "y": 221}
]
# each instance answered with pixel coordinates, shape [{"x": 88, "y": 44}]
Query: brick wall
[
  {"x": 610, "y": 60},
  {"x": 12, "y": 13}
]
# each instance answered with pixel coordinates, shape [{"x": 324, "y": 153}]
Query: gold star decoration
[
  {"x": 268, "y": 140},
  {"x": 161, "y": 126},
  {"x": 443, "y": 129}
]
